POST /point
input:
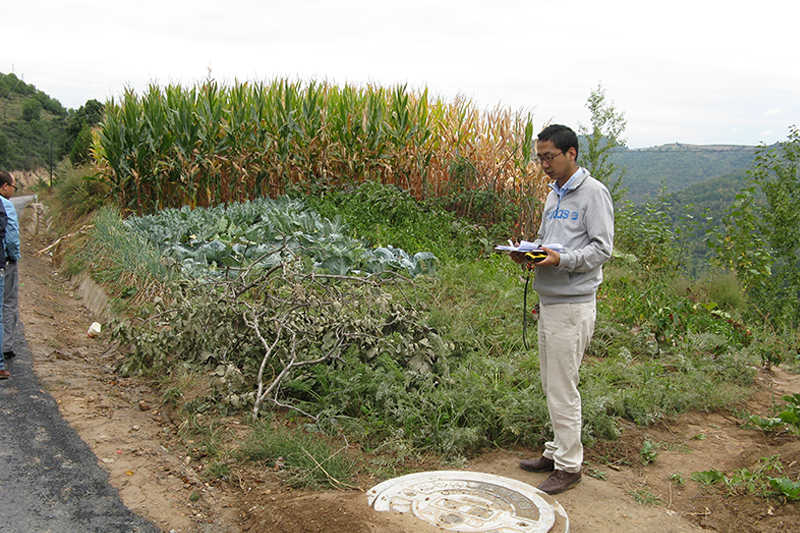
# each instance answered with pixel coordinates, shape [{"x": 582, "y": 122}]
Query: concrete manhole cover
[{"x": 471, "y": 502}]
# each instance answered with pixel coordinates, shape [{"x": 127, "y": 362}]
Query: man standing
[
  {"x": 579, "y": 215},
  {"x": 4, "y": 374},
  {"x": 10, "y": 312}
]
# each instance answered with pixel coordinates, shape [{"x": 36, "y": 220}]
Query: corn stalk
[{"x": 212, "y": 144}]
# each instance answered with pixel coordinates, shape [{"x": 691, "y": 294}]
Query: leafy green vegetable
[
  {"x": 266, "y": 231},
  {"x": 787, "y": 487}
]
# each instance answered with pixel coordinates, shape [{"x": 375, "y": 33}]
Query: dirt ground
[{"x": 138, "y": 444}]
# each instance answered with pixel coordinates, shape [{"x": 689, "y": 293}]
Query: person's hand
[
  {"x": 553, "y": 258},
  {"x": 518, "y": 257}
]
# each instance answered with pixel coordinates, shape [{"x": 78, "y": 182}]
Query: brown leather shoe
[
  {"x": 5, "y": 374},
  {"x": 559, "y": 481},
  {"x": 540, "y": 464}
]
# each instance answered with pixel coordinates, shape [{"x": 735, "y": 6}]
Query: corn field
[{"x": 208, "y": 145}]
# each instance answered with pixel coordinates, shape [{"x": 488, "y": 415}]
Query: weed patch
[{"x": 301, "y": 458}]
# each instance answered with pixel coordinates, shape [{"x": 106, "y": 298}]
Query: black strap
[{"x": 525, "y": 312}]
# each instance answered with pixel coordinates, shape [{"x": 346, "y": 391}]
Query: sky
[{"x": 694, "y": 72}]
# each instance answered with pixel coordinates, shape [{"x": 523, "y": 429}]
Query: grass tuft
[{"x": 301, "y": 458}]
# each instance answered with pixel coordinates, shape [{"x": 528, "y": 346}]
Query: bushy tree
[
  {"x": 81, "y": 149},
  {"x": 31, "y": 110},
  {"x": 608, "y": 126},
  {"x": 760, "y": 235},
  {"x": 50, "y": 104},
  {"x": 777, "y": 173},
  {"x": 5, "y": 151},
  {"x": 77, "y": 135}
]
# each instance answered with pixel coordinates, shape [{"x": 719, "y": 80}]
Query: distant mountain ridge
[{"x": 690, "y": 147}]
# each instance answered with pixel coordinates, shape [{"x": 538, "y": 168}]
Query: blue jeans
[{"x": 9, "y": 315}]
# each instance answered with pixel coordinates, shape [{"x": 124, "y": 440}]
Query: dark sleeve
[{"x": 3, "y": 222}]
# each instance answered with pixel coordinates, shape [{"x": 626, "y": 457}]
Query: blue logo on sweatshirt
[{"x": 563, "y": 214}]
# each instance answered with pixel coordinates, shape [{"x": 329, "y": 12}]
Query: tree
[
  {"x": 87, "y": 116},
  {"x": 81, "y": 148},
  {"x": 5, "y": 151},
  {"x": 608, "y": 125},
  {"x": 31, "y": 110},
  {"x": 760, "y": 235},
  {"x": 50, "y": 105},
  {"x": 777, "y": 173}
]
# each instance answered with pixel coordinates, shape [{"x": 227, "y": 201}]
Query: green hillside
[
  {"x": 694, "y": 185},
  {"x": 32, "y": 125},
  {"x": 698, "y": 209},
  {"x": 675, "y": 167},
  {"x": 36, "y": 131},
  {"x": 714, "y": 195}
]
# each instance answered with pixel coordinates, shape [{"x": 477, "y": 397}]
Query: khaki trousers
[{"x": 564, "y": 333}]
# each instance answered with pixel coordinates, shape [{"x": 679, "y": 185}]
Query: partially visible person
[
  {"x": 4, "y": 374},
  {"x": 10, "y": 313},
  {"x": 579, "y": 215}
]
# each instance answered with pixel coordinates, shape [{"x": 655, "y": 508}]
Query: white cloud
[{"x": 774, "y": 111}]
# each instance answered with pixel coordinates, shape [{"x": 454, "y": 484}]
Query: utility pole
[{"x": 51, "y": 160}]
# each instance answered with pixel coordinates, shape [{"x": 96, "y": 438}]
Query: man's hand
[
  {"x": 553, "y": 258},
  {"x": 518, "y": 257}
]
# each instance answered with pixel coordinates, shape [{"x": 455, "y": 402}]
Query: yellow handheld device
[{"x": 536, "y": 255}]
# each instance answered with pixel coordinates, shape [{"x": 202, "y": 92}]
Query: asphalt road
[{"x": 50, "y": 481}]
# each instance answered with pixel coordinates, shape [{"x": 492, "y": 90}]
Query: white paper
[{"x": 525, "y": 246}]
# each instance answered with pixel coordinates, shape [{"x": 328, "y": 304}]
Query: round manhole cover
[{"x": 471, "y": 502}]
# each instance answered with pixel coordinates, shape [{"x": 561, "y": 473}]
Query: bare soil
[{"x": 139, "y": 444}]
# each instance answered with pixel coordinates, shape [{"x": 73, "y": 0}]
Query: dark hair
[
  {"x": 5, "y": 177},
  {"x": 561, "y": 136}
]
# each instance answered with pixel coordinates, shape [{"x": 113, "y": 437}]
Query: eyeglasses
[{"x": 547, "y": 157}]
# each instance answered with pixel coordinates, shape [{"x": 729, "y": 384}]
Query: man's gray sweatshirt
[{"x": 582, "y": 220}]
